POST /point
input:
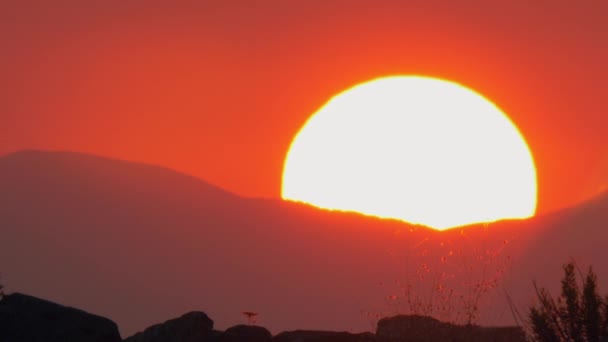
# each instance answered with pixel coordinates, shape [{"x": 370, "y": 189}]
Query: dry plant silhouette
[
  {"x": 251, "y": 317},
  {"x": 447, "y": 279},
  {"x": 575, "y": 315}
]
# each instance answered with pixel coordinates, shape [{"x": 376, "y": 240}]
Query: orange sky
[{"x": 217, "y": 89}]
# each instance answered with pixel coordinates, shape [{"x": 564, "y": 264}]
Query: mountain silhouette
[{"x": 139, "y": 243}]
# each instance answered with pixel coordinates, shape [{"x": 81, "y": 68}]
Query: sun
[{"x": 418, "y": 149}]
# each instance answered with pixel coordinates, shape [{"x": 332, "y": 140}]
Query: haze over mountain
[{"x": 140, "y": 243}]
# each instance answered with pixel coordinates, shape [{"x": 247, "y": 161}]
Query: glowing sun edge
[{"x": 512, "y": 125}]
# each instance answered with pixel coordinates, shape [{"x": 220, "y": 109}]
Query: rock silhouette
[
  {"x": 323, "y": 336},
  {"x": 250, "y": 333},
  {"x": 26, "y": 318},
  {"x": 426, "y": 329},
  {"x": 192, "y": 327}
]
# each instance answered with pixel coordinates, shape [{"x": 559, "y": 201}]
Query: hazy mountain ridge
[{"x": 140, "y": 243}]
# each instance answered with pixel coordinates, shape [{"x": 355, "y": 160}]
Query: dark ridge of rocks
[
  {"x": 192, "y": 327},
  {"x": 250, "y": 333},
  {"x": 404, "y": 328},
  {"x": 322, "y": 336},
  {"x": 27, "y": 318}
]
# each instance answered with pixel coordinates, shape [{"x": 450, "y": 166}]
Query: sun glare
[{"x": 422, "y": 150}]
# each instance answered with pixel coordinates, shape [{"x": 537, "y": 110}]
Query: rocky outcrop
[
  {"x": 192, "y": 327},
  {"x": 26, "y": 318},
  {"x": 426, "y": 329},
  {"x": 322, "y": 336},
  {"x": 250, "y": 333}
]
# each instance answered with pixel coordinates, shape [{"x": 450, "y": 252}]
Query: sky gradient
[{"x": 217, "y": 89}]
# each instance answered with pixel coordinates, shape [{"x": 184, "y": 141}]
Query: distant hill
[{"x": 140, "y": 243}]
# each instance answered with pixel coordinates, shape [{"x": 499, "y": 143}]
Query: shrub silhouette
[
  {"x": 445, "y": 278},
  {"x": 575, "y": 316}
]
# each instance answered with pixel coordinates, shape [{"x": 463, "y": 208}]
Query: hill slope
[{"x": 140, "y": 243}]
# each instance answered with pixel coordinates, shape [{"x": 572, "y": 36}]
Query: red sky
[{"x": 217, "y": 89}]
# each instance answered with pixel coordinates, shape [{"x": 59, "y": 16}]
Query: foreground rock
[
  {"x": 322, "y": 336},
  {"x": 427, "y": 329},
  {"x": 26, "y": 318},
  {"x": 192, "y": 327},
  {"x": 250, "y": 333}
]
